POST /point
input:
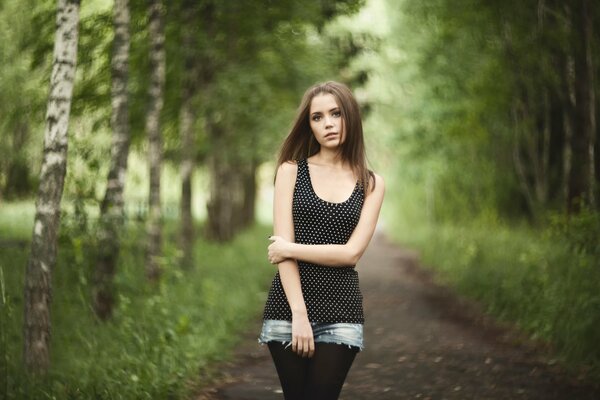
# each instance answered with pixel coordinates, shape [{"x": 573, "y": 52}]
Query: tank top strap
[{"x": 302, "y": 170}]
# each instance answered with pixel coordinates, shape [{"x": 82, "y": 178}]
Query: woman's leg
[
  {"x": 292, "y": 370},
  {"x": 327, "y": 370}
]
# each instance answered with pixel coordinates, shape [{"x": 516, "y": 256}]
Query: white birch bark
[
  {"x": 153, "y": 129},
  {"x": 38, "y": 296},
  {"x": 112, "y": 209}
]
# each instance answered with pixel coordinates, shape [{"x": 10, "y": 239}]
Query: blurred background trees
[
  {"x": 481, "y": 115},
  {"x": 489, "y": 113},
  {"x": 206, "y": 84},
  {"x": 499, "y": 97}
]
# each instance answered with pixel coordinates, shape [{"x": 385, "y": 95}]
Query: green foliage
[
  {"x": 21, "y": 101},
  {"x": 444, "y": 85},
  {"x": 460, "y": 89},
  {"x": 546, "y": 282},
  {"x": 253, "y": 60},
  {"x": 5, "y": 315},
  {"x": 162, "y": 339},
  {"x": 580, "y": 232}
]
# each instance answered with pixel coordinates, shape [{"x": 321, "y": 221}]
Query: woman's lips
[{"x": 331, "y": 135}]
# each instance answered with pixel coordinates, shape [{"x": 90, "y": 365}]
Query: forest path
[{"x": 421, "y": 342}]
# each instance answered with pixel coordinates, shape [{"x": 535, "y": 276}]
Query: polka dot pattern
[{"x": 331, "y": 294}]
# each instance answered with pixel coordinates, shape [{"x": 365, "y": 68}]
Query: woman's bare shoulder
[
  {"x": 377, "y": 183},
  {"x": 288, "y": 169}
]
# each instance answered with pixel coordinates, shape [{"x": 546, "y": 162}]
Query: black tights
[{"x": 318, "y": 378}]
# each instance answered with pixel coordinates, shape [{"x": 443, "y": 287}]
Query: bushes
[
  {"x": 546, "y": 281},
  {"x": 161, "y": 339}
]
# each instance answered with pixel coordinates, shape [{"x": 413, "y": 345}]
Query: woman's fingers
[
  {"x": 311, "y": 348},
  {"x": 304, "y": 346},
  {"x": 300, "y": 347},
  {"x": 302, "y": 337},
  {"x": 294, "y": 344},
  {"x": 308, "y": 348},
  {"x": 305, "y": 349},
  {"x": 274, "y": 257}
]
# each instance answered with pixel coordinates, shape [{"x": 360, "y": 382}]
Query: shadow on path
[{"x": 421, "y": 342}]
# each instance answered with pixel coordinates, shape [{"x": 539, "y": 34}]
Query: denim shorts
[{"x": 340, "y": 333}]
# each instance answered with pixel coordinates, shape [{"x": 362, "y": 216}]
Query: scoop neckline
[{"x": 321, "y": 199}]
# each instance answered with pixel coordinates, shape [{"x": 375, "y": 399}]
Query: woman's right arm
[{"x": 283, "y": 225}]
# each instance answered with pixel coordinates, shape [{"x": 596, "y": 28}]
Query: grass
[
  {"x": 543, "y": 280},
  {"x": 162, "y": 339}
]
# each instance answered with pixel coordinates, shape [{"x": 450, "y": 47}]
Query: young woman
[{"x": 326, "y": 206}]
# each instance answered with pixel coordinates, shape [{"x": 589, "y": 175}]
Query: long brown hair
[{"x": 301, "y": 143}]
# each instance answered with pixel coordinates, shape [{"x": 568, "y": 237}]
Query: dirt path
[{"x": 422, "y": 342}]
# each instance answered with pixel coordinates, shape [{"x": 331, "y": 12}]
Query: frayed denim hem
[
  {"x": 347, "y": 334},
  {"x": 283, "y": 342}
]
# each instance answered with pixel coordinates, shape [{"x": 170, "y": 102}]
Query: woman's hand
[
  {"x": 303, "y": 342},
  {"x": 277, "y": 251}
]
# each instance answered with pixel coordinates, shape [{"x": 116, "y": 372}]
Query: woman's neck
[{"x": 330, "y": 158}]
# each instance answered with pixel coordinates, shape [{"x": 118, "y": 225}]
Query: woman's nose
[{"x": 328, "y": 122}]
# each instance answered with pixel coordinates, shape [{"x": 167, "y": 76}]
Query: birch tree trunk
[
  {"x": 42, "y": 259},
  {"x": 112, "y": 208},
  {"x": 186, "y": 126},
  {"x": 157, "y": 83}
]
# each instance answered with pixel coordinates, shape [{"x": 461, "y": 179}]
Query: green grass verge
[
  {"x": 545, "y": 281},
  {"x": 162, "y": 340}
]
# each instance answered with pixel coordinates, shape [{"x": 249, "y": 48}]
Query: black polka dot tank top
[{"x": 331, "y": 294}]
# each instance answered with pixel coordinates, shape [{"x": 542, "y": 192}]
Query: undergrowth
[
  {"x": 162, "y": 340},
  {"x": 543, "y": 280}
]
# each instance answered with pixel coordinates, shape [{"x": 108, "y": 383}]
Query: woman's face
[{"x": 326, "y": 120}]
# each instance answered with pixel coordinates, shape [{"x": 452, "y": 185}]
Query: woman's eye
[
  {"x": 337, "y": 114},
  {"x": 316, "y": 118}
]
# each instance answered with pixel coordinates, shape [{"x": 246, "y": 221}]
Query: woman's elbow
[{"x": 354, "y": 256}]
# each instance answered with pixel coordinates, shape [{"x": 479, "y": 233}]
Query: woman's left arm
[{"x": 336, "y": 255}]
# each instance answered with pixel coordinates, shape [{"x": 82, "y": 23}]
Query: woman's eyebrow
[{"x": 319, "y": 112}]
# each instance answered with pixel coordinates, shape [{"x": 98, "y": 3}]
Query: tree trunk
[
  {"x": 587, "y": 28},
  {"x": 531, "y": 148},
  {"x": 42, "y": 259},
  {"x": 220, "y": 209},
  {"x": 518, "y": 162},
  {"x": 232, "y": 191},
  {"x": 582, "y": 176},
  {"x": 153, "y": 129},
  {"x": 18, "y": 183},
  {"x": 186, "y": 125},
  {"x": 249, "y": 203},
  {"x": 568, "y": 109},
  {"x": 231, "y": 186},
  {"x": 187, "y": 170},
  {"x": 542, "y": 180},
  {"x": 112, "y": 209}
]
